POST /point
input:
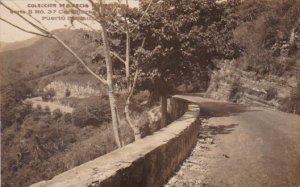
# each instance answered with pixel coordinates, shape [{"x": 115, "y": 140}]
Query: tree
[
  {"x": 117, "y": 19},
  {"x": 182, "y": 38},
  {"x": 12, "y": 96}
]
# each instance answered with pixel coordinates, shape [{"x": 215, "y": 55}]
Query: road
[
  {"x": 52, "y": 106},
  {"x": 242, "y": 146}
]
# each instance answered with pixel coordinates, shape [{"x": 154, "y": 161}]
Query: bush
[
  {"x": 21, "y": 111},
  {"x": 269, "y": 24},
  {"x": 39, "y": 107},
  {"x": 68, "y": 118},
  {"x": 11, "y": 99},
  {"x": 93, "y": 111},
  {"x": 67, "y": 93},
  {"x": 271, "y": 94},
  {"x": 235, "y": 90},
  {"x": 292, "y": 104},
  {"x": 57, "y": 114},
  {"x": 48, "y": 95},
  {"x": 37, "y": 113},
  {"x": 47, "y": 110}
]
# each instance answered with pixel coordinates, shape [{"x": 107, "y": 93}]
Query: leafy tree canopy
[{"x": 184, "y": 36}]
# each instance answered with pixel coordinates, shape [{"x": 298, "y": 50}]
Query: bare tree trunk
[
  {"x": 127, "y": 63},
  {"x": 78, "y": 58},
  {"x": 109, "y": 82},
  {"x": 131, "y": 88},
  {"x": 136, "y": 131},
  {"x": 111, "y": 94}
]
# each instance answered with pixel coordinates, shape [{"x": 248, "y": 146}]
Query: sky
[{"x": 48, "y": 12}]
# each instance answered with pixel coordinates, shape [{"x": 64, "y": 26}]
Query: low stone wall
[
  {"x": 177, "y": 107},
  {"x": 148, "y": 162}
]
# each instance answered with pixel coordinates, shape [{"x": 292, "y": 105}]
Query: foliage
[
  {"x": 48, "y": 94},
  {"x": 57, "y": 114},
  {"x": 235, "y": 90},
  {"x": 67, "y": 93},
  {"x": 47, "y": 110},
  {"x": 37, "y": 150},
  {"x": 271, "y": 93},
  {"x": 94, "y": 111},
  {"x": 12, "y": 108},
  {"x": 181, "y": 40},
  {"x": 292, "y": 103},
  {"x": 37, "y": 113},
  {"x": 68, "y": 118},
  {"x": 271, "y": 25}
]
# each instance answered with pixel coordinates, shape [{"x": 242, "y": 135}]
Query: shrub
[
  {"x": 21, "y": 111},
  {"x": 48, "y": 95},
  {"x": 235, "y": 90},
  {"x": 292, "y": 103},
  {"x": 57, "y": 114},
  {"x": 271, "y": 94},
  {"x": 37, "y": 112},
  {"x": 67, "y": 93},
  {"x": 39, "y": 107},
  {"x": 47, "y": 110},
  {"x": 68, "y": 118},
  {"x": 93, "y": 111}
]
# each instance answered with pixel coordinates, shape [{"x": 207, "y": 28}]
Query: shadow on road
[
  {"x": 220, "y": 129},
  {"x": 212, "y": 109},
  {"x": 214, "y": 130}
]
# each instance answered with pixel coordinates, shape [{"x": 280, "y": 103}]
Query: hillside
[
  {"x": 7, "y": 46},
  {"x": 3, "y": 45},
  {"x": 267, "y": 71},
  {"x": 50, "y": 60},
  {"x": 44, "y": 137}
]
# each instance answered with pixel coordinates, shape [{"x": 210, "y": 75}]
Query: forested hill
[
  {"x": 5, "y": 46},
  {"x": 40, "y": 59}
]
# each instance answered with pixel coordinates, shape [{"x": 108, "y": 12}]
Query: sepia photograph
[{"x": 150, "y": 93}]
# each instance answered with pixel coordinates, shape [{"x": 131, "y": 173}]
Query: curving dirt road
[
  {"x": 242, "y": 146},
  {"x": 52, "y": 106}
]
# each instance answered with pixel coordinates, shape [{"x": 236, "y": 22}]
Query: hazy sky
[{"x": 48, "y": 9}]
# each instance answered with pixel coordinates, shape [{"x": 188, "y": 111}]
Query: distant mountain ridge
[{"x": 6, "y": 46}]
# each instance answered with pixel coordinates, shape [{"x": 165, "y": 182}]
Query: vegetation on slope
[{"x": 265, "y": 72}]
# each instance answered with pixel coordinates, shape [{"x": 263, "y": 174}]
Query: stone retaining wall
[
  {"x": 178, "y": 107},
  {"x": 148, "y": 162}
]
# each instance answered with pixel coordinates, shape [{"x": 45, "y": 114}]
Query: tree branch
[
  {"x": 142, "y": 17},
  {"x": 25, "y": 19},
  {"x": 24, "y": 30},
  {"x": 79, "y": 59},
  {"x": 42, "y": 25},
  {"x": 128, "y": 100},
  {"x": 117, "y": 56},
  {"x": 136, "y": 71}
]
